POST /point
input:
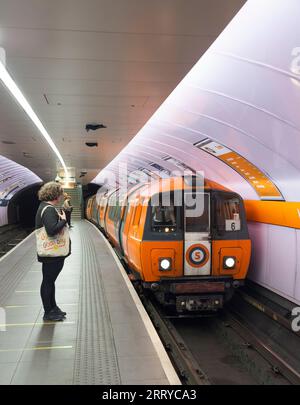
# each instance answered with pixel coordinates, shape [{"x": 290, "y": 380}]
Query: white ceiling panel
[
  {"x": 98, "y": 87},
  {"x": 99, "y": 101},
  {"x": 114, "y": 47},
  {"x": 181, "y": 17},
  {"x": 102, "y": 70},
  {"x": 107, "y": 61}
]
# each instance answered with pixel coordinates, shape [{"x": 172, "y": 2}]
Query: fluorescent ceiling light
[{"x": 16, "y": 92}]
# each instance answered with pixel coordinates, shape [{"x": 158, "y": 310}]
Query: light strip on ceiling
[{"x": 16, "y": 92}]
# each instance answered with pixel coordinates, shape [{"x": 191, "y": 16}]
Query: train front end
[{"x": 195, "y": 254}]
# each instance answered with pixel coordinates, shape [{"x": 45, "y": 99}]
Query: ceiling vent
[
  {"x": 94, "y": 127},
  {"x": 27, "y": 155},
  {"x": 91, "y": 144}
]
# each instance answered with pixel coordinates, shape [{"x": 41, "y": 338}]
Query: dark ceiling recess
[
  {"x": 91, "y": 144},
  {"x": 94, "y": 127},
  {"x": 9, "y": 142}
]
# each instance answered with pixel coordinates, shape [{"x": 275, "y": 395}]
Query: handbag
[{"x": 52, "y": 246}]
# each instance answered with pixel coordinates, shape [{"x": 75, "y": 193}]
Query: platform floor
[{"x": 107, "y": 337}]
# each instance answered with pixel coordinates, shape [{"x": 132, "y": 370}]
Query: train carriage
[{"x": 185, "y": 241}]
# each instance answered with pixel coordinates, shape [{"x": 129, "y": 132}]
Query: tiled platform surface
[{"x": 105, "y": 338}]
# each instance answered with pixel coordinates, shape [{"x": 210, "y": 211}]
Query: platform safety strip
[{"x": 95, "y": 356}]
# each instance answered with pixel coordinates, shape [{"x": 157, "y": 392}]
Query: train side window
[
  {"x": 136, "y": 216},
  {"x": 111, "y": 213},
  {"x": 138, "y": 212},
  {"x": 125, "y": 212},
  {"x": 94, "y": 208}
]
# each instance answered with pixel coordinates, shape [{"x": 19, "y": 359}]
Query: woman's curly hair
[{"x": 50, "y": 191}]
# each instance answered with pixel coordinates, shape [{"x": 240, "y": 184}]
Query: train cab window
[
  {"x": 228, "y": 214},
  {"x": 197, "y": 215},
  {"x": 163, "y": 218}
]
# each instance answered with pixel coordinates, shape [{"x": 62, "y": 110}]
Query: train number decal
[{"x": 197, "y": 255}]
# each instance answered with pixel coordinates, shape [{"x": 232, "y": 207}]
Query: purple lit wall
[
  {"x": 243, "y": 96},
  {"x": 13, "y": 178}
]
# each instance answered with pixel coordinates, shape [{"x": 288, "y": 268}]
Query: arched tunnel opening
[{"x": 23, "y": 206}]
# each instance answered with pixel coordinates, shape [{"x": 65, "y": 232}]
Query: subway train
[{"x": 185, "y": 241}]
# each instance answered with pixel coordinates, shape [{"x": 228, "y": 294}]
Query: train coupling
[{"x": 199, "y": 303}]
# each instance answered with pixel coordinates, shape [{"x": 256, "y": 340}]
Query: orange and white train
[{"x": 186, "y": 242}]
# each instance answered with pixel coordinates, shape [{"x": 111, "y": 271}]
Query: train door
[{"x": 197, "y": 242}]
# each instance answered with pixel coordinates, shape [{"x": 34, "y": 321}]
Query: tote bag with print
[{"x": 52, "y": 246}]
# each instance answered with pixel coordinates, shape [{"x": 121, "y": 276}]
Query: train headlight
[
  {"x": 229, "y": 262},
  {"x": 165, "y": 263}
]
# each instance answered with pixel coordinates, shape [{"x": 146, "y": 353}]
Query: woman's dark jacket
[{"x": 52, "y": 223}]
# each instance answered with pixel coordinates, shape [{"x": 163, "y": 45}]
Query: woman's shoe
[
  {"x": 58, "y": 311},
  {"x": 53, "y": 316}
]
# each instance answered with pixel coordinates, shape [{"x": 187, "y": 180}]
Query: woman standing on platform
[
  {"x": 53, "y": 246},
  {"x": 67, "y": 206}
]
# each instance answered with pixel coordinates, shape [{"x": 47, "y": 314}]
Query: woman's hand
[{"x": 62, "y": 215}]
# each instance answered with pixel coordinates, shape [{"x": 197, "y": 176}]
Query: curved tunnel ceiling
[{"x": 235, "y": 115}]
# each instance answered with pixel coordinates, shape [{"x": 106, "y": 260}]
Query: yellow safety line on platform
[
  {"x": 30, "y": 305},
  {"x": 38, "y": 291},
  {"x": 36, "y": 348},
  {"x": 4, "y": 325}
]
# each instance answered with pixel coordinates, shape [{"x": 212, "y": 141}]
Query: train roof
[
  {"x": 181, "y": 183},
  {"x": 187, "y": 183}
]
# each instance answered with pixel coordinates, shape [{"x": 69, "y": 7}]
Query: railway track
[
  {"x": 223, "y": 349},
  {"x": 278, "y": 364},
  {"x": 195, "y": 348},
  {"x": 11, "y": 236},
  {"x": 265, "y": 320},
  {"x": 187, "y": 367}
]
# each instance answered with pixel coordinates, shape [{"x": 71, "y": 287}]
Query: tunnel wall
[{"x": 275, "y": 262}]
